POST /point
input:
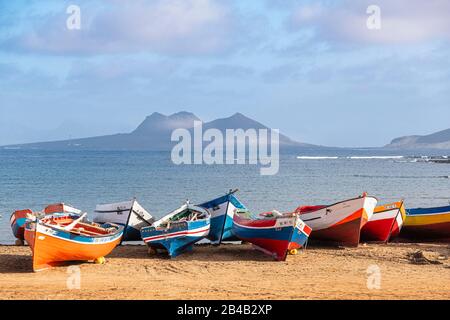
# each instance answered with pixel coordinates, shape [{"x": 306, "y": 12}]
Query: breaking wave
[
  {"x": 375, "y": 157},
  {"x": 316, "y": 158}
]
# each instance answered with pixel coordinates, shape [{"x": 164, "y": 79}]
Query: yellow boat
[{"x": 427, "y": 224}]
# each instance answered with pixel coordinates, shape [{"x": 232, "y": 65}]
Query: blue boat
[
  {"x": 222, "y": 211},
  {"x": 178, "y": 231}
]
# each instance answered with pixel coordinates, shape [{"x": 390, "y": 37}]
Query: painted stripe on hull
[
  {"x": 185, "y": 233},
  {"x": 426, "y": 219},
  {"x": 428, "y": 211},
  {"x": 180, "y": 237}
]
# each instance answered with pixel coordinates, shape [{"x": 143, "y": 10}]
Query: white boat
[
  {"x": 129, "y": 214},
  {"x": 339, "y": 223}
]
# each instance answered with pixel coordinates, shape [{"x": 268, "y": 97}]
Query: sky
[{"x": 313, "y": 69}]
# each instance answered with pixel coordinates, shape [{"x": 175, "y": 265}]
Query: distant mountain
[
  {"x": 158, "y": 123},
  {"x": 154, "y": 133},
  {"x": 438, "y": 140},
  {"x": 239, "y": 121}
]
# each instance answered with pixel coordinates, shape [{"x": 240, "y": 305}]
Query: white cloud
[
  {"x": 159, "y": 26},
  {"x": 402, "y": 21}
]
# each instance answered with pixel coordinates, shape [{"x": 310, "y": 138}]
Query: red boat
[
  {"x": 385, "y": 223},
  {"x": 339, "y": 223}
]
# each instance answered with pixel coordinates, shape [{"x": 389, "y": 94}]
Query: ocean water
[{"x": 32, "y": 179}]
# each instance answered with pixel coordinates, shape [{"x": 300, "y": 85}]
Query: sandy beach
[{"x": 407, "y": 271}]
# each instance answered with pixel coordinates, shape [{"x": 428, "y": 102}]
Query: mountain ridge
[
  {"x": 154, "y": 134},
  {"x": 436, "y": 140}
]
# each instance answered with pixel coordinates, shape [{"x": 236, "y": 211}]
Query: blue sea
[{"x": 32, "y": 179}]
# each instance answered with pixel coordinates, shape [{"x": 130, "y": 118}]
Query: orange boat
[{"x": 56, "y": 239}]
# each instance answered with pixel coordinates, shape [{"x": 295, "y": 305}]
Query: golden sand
[{"x": 406, "y": 271}]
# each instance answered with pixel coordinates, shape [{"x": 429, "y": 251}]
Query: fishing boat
[
  {"x": 20, "y": 217},
  {"x": 386, "y": 223},
  {"x": 273, "y": 233},
  {"x": 18, "y": 220},
  {"x": 430, "y": 224},
  {"x": 56, "y": 239},
  {"x": 339, "y": 223},
  {"x": 129, "y": 214},
  {"x": 222, "y": 211},
  {"x": 178, "y": 231}
]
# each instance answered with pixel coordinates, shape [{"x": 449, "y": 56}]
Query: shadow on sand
[
  {"x": 10, "y": 263},
  {"x": 204, "y": 252}
]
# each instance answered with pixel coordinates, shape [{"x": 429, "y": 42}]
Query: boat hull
[
  {"x": 222, "y": 211},
  {"x": 272, "y": 236},
  {"x": 52, "y": 247},
  {"x": 385, "y": 223},
  {"x": 18, "y": 220},
  {"x": 178, "y": 238},
  {"x": 340, "y": 224},
  {"x": 429, "y": 224}
]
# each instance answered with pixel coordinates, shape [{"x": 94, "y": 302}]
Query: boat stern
[
  {"x": 300, "y": 235},
  {"x": 18, "y": 220}
]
